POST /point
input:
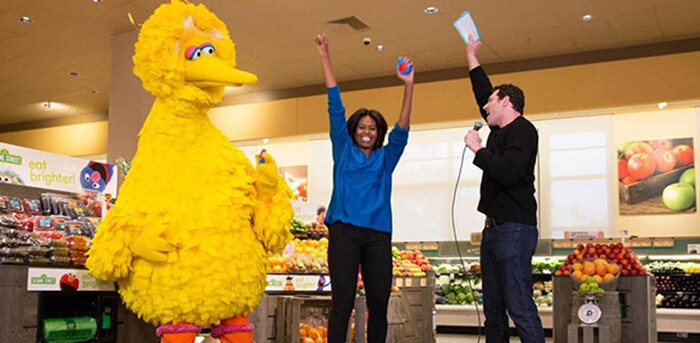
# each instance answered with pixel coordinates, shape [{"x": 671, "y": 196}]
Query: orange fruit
[
  {"x": 588, "y": 268},
  {"x": 302, "y": 333},
  {"x": 613, "y": 269},
  {"x": 598, "y": 278},
  {"x": 583, "y": 277},
  {"x": 600, "y": 261},
  {"x": 313, "y": 333},
  {"x": 577, "y": 275},
  {"x": 608, "y": 277},
  {"x": 577, "y": 266},
  {"x": 601, "y": 270}
]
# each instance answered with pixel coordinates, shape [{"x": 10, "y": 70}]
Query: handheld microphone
[{"x": 478, "y": 125}]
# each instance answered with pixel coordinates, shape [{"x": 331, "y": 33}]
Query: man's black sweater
[{"x": 508, "y": 163}]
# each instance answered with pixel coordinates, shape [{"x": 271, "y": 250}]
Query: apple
[
  {"x": 636, "y": 148},
  {"x": 688, "y": 177},
  {"x": 661, "y": 145},
  {"x": 622, "y": 147},
  {"x": 665, "y": 161},
  {"x": 678, "y": 196},
  {"x": 641, "y": 165},
  {"x": 622, "y": 170},
  {"x": 684, "y": 154}
]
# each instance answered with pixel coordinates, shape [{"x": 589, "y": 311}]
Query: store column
[{"x": 129, "y": 103}]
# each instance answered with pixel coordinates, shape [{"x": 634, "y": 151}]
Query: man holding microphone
[{"x": 510, "y": 233}]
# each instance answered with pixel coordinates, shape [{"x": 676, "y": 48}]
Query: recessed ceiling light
[
  {"x": 74, "y": 73},
  {"x": 662, "y": 105},
  {"x": 265, "y": 140},
  {"x": 25, "y": 19},
  {"x": 96, "y": 1},
  {"x": 431, "y": 9},
  {"x": 379, "y": 48},
  {"x": 586, "y": 18}
]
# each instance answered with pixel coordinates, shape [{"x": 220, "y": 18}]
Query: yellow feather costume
[{"x": 188, "y": 237}]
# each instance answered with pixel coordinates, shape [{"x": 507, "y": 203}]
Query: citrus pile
[{"x": 599, "y": 270}]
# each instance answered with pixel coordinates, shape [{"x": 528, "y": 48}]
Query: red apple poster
[
  {"x": 297, "y": 179},
  {"x": 656, "y": 176}
]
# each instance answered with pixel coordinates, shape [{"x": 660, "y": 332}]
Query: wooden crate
[
  {"x": 609, "y": 325},
  {"x": 297, "y": 309},
  {"x": 650, "y": 187},
  {"x": 265, "y": 319},
  {"x": 410, "y": 312},
  {"x": 637, "y": 308},
  {"x": 402, "y": 326}
]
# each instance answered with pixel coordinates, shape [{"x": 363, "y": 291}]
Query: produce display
[
  {"x": 53, "y": 230},
  {"x": 677, "y": 284},
  {"x": 661, "y": 267},
  {"x": 542, "y": 292},
  {"x": 616, "y": 253},
  {"x": 308, "y": 333},
  {"x": 590, "y": 286},
  {"x": 599, "y": 270},
  {"x": 301, "y": 256},
  {"x": 313, "y": 230},
  {"x": 459, "y": 292},
  {"x": 409, "y": 263}
]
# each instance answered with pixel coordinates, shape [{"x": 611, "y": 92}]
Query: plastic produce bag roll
[{"x": 69, "y": 330}]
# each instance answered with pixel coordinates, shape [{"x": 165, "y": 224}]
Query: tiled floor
[{"x": 456, "y": 338}]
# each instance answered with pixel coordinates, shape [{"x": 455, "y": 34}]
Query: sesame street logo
[
  {"x": 43, "y": 280},
  {"x": 6, "y": 157}
]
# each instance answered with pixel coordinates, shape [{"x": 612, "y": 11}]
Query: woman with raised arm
[{"x": 359, "y": 214}]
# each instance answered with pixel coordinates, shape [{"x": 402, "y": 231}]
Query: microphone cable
[{"x": 459, "y": 251}]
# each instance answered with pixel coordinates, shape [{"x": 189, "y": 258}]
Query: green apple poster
[{"x": 656, "y": 176}]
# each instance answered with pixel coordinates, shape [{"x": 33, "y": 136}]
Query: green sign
[
  {"x": 43, "y": 280},
  {"x": 6, "y": 157}
]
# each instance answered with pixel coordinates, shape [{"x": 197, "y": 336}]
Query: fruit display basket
[{"x": 605, "y": 273}]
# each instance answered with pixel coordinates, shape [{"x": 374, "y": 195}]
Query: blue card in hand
[{"x": 465, "y": 26}]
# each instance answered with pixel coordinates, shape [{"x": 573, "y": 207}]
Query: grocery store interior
[{"x": 611, "y": 87}]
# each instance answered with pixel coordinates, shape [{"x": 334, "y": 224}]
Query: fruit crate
[
  {"x": 402, "y": 325},
  {"x": 301, "y": 317},
  {"x": 637, "y": 308}
]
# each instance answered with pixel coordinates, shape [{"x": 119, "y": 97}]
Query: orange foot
[
  {"x": 179, "y": 333},
  {"x": 234, "y": 330}
]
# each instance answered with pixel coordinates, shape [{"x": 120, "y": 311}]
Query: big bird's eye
[
  {"x": 193, "y": 53},
  {"x": 207, "y": 49}
]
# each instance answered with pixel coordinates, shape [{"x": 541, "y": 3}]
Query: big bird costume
[{"x": 187, "y": 240}]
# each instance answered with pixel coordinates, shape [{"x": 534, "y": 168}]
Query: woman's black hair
[{"x": 382, "y": 127}]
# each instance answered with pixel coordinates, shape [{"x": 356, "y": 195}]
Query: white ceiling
[{"x": 274, "y": 40}]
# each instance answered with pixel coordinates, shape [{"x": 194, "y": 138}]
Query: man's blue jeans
[{"x": 506, "y": 269}]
